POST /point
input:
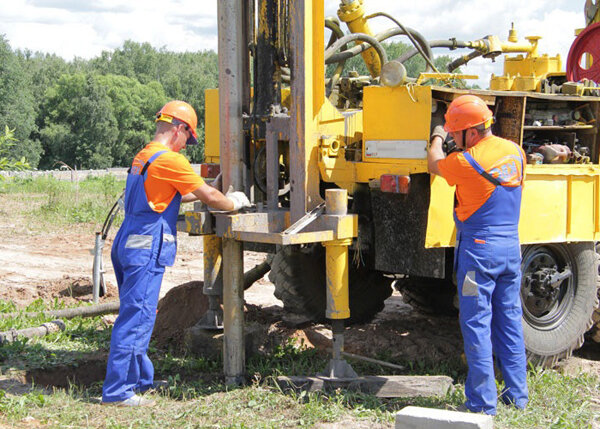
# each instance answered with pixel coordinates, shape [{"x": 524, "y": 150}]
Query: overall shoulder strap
[
  {"x": 150, "y": 161},
  {"x": 522, "y": 161},
  {"x": 480, "y": 169}
]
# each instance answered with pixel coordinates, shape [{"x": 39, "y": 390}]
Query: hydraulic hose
[
  {"x": 355, "y": 50},
  {"x": 463, "y": 60},
  {"x": 426, "y": 53},
  {"x": 450, "y": 44},
  {"x": 111, "y": 216},
  {"x": 372, "y": 41},
  {"x": 336, "y": 33}
]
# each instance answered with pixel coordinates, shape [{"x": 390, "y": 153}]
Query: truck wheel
[
  {"x": 298, "y": 274},
  {"x": 428, "y": 295},
  {"x": 559, "y": 291},
  {"x": 595, "y": 331}
]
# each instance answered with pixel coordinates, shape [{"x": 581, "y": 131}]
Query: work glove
[
  {"x": 439, "y": 131},
  {"x": 239, "y": 200}
]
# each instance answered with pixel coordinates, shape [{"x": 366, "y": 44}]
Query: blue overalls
[
  {"x": 488, "y": 272},
  {"x": 144, "y": 245}
]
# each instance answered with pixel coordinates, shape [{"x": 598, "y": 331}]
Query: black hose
[
  {"x": 336, "y": 33},
  {"x": 422, "y": 46},
  {"x": 355, "y": 50},
  {"x": 450, "y": 44},
  {"x": 111, "y": 217},
  {"x": 352, "y": 37},
  {"x": 463, "y": 60}
]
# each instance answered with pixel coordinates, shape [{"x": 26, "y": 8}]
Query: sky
[{"x": 85, "y": 28}]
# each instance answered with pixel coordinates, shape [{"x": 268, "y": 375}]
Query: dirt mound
[
  {"x": 69, "y": 289},
  {"x": 178, "y": 310}
]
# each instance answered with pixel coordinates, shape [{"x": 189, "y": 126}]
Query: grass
[
  {"x": 198, "y": 398},
  {"x": 48, "y": 202}
]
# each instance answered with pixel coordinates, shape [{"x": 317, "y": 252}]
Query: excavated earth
[{"x": 58, "y": 266}]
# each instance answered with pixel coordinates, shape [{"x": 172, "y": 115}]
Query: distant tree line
[
  {"x": 98, "y": 113},
  {"x": 95, "y": 113}
]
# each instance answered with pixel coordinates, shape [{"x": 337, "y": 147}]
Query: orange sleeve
[
  {"x": 176, "y": 170},
  {"x": 455, "y": 169}
]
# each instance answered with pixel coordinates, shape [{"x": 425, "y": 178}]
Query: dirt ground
[{"x": 48, "y": 266}]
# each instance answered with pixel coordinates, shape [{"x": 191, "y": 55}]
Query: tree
[
  {"x": 17, "y": 111},
  {"x": 134, "y": 106},
  {"x": 79, "y": 126}
]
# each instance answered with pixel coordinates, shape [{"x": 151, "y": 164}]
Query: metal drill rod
[{"x": 232, "y": 44}]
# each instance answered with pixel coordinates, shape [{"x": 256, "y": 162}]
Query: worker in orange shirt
[
  {"x": 488, "y": 175},
  {"x": 158, "y": 181}
]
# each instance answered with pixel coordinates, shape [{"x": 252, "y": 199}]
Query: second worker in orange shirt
[{"x": 488, "y": 175}]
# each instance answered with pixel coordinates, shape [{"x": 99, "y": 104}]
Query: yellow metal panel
[
  {"x": 400, "y": 113},
  {"x": 560, "y": 203},
  {"x": 441, "y": 231},
  {"x": 317, "y": 30},
  {"x": 211, "y": 125},
  {"x": 597, "y": 208},
  {"x": 543, "y": 209},
  {"x": 581, "y": 216}
]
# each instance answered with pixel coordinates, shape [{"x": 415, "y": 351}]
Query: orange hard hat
[
  {"x": 467, "y": 111},
  {"x": 180, "y": 112}
]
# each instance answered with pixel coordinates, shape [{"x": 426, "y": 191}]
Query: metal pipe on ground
[
  {"x": 69, "y": 313},
  {"x": 40, "y": 331}
]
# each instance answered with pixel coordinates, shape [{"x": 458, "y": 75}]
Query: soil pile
[{"x": 178, "y": 310}]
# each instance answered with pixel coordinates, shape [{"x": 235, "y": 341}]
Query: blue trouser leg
[
  {"x": 489, "y": 281},
  {"x": 129, "y": 367},
  {"x": 507, "y": 330},
  {"x": 475, "y": 289}
]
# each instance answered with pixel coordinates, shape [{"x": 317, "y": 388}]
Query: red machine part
[
  {"x": 210, "y": 171},
  {"x": 395, "y": 183},
  {"x": 588, "y": 42}
]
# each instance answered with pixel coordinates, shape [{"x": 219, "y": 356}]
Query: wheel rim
[{"x": 546, "y": 307}]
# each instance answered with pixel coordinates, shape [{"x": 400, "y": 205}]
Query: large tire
[
  {"x": 428, "y": 295},
  {"x": 556, "y": 319},
  {"x": 594, "y": 333},
  {"x": 299, "y": 277}
]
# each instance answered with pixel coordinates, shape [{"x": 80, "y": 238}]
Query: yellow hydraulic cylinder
[
  {"x": 336, "y": 260},
  {"x": 353, "y": 14}
]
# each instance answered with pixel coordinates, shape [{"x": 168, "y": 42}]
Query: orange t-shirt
[
  {"x": 168, "y": 174},
  {"x": 499, "y": 157}
]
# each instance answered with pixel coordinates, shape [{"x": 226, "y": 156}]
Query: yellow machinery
[{"x": 336, "y": 165}]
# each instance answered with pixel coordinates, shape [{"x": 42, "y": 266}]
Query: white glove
[
  {"x": 440, "y": 132},
  {"x": 239, "y": 200}
]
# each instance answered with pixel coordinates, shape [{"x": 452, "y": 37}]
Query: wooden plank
[
  {"x": 442, "y": 92},
  {"x": 394, "y": 386}
]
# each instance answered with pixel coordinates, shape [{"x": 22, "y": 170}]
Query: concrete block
[{"x": 431, "y": 418}]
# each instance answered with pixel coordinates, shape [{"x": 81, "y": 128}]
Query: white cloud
[{"x": 72, "y": 28}]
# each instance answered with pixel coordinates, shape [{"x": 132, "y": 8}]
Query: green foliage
[
  {"x": 7, "y": 145},
  {"x": 17, "y": 110},
  {"x": 133, "y": 105},
  {"x": 55, "y": 202},
  {"x": 80, "y": 128}
]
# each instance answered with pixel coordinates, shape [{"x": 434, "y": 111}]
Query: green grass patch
[
  {"x": 80, "y": 337},
  {"x": 197, "y": 396},
  {"x": 54, "y": 202}
]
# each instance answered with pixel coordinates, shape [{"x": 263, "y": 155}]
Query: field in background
[{"x": 41, "y": 210}]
